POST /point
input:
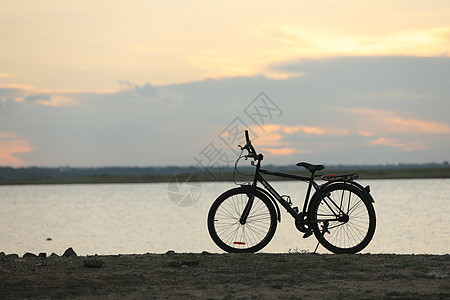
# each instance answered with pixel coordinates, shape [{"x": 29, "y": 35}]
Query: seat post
[{"x": 305, "y": 203}]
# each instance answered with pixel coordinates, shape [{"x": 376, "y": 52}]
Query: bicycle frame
[
  {"x": 311, "y": 183},
  {"x": 259, "y": 178},
  {"x": 298, "y": 216}
]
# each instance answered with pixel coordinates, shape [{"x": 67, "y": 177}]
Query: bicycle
[{"x": 340, "y": 213}]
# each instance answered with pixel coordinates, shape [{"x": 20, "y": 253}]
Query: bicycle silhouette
[{"x": 339, "y": 213}]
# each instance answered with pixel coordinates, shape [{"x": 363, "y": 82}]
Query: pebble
[
  {"x": 189, "y": 263},
  {"x": 69, "y": 252},
  {"x": 29, "y": 255}
]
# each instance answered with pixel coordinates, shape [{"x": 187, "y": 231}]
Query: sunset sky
[{"x": 155, "y": 83}]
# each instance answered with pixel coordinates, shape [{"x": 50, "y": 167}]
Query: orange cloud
[
  {"x": 364, "y": 133},
  {"x": 270, "y": 140},
  {"x": 11, "y": 144},
  {"x": 270, "y": 128},
  {"x": 397, "y": 144},
  {"x": 317, "y": 43},
  {"x": 322, "y": 131},
  {"x": 291, "y": 129},
  {"x": 271, "y": 137},
  {"x": 417, "y": 126},
  {"x": 279, "y": 151},
  {"x": 389, "y": 122},
  {"x": 54, "y": 97},
  {"x": 56, "y": 101}
]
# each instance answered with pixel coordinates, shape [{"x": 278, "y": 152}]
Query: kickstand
[
  {"x": 317, "y": 246},
  {"x": 324, "y": 229}
]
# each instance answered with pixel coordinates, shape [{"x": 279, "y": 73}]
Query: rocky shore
[{"x": 225, "y": 276}]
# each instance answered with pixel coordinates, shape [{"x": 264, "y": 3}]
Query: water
[{"x": 412, "y": 217}]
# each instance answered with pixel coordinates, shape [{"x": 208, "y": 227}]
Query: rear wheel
[
  {"x": 224, "y": 224},
  {"x": 343, "y": 218}
]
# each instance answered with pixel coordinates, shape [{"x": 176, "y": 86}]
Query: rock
[
  {"x": 93, "y": 263},
  {"x": 69, "y": 252},
  {"x": 29, "y": 255},
  {"x": 277, "y": 285},
  {"x": 49, "y": 239},
  {"x": 183, "y": 263}
]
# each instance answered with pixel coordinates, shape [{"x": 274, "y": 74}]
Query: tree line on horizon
[{"x": 68, "y": 172}]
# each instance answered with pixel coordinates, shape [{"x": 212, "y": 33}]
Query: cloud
[
  {"x": 388, "y": 122},
  {"x": 315, "y": 130},
  {"x": 10, "y": 145},
  {"x": 159, "y": 97},
  {"x": 364, "y": 133},
  {"x": 274, "y": 138},
  {"x": 58, "y": 100},
  {"x": 270, "y": 135},
  {"x": 395, "y": 143},
  {"x": 286, "y": 151},
  {"x": 271, "y": 129},
  {"x": 395, "y": 95},
  {"x": 124, "y": 82},
  {"x": 346, "y": 110},
  {"x": 306, "y": 42},
  {"x": 45, "y": 97}
]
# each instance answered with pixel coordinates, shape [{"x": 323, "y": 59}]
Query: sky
[{"x": 163, "y": 83}]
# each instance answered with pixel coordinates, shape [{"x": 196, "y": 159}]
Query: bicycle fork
[
  {"x": 251, "y": 195},
  {"x": 247, "y": 208}
]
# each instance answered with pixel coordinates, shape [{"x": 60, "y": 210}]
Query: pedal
[{"x": 307, "y": 234}]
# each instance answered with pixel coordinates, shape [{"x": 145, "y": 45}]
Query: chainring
[{"x": 302, "y": 225}]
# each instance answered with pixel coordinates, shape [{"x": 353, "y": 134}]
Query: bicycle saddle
[{"x": 310, "y": 167}]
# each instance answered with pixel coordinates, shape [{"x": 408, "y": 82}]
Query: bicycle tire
[
  {"x": 346, "y": 235},
  {"x": 226, "y": 230}
]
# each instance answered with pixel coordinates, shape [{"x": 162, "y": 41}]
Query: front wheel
[
  {"x": 224, "y": 224},
  {"x": 343, "y": 218}
]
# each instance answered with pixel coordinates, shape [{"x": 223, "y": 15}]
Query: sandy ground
[{"x": 227, "y": 276}]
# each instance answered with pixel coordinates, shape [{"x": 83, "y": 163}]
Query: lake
[{"x": 413, "y": 216}]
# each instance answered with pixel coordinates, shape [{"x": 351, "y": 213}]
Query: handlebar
[{"x": 251, "y": 150}]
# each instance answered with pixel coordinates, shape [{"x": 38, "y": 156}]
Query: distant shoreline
[{"x": 368, "y": 173}]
